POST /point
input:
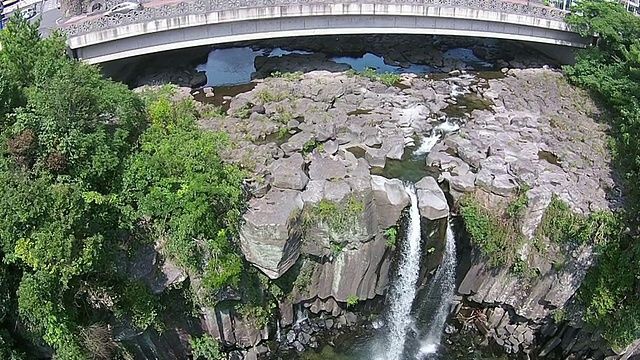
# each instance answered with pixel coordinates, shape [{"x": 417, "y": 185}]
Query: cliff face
[{"x": 540, "y": 134}]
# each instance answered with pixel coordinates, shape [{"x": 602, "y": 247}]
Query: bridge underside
[{"x": 259, "y": 29}]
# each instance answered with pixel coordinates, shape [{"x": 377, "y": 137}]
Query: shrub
[
  {"x": 339, "y": 218},
  {"x": 390, "y": 234},
  {"x": 205, "y": 348},
  {"x": 353, "y": 300},
  {"x": 496, "y": 238}
]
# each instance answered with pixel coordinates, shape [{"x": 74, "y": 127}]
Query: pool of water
[{"x": 234, "y": 66}]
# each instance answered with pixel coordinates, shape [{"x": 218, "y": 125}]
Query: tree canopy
[{"x": 91, "y": 171}]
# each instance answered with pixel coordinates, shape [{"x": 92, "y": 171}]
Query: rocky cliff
[{"x": 324, "y": 208}]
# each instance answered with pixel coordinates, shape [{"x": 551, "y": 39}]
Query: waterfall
[
  {"x": 403, "y": 290},
  {"x": 442, "y": 288},
  {"x": 301, "y": 314}
]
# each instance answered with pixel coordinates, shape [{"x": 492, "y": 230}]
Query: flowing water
[
  {"x": 439, "y": 296},
  {"x": 403, "y": 290}
]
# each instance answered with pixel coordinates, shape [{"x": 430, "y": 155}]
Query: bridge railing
[{"x": 205, "y": 6}]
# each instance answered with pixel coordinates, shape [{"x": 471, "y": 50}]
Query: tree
[{"x": 193, "y": 199}]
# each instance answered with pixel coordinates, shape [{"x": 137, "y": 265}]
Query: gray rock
[
  {"x": 322, "y": 167},
  {"x": 268, "y": 238},
  {"x": 504, "y": 185},
  {"x": 336, "y": 190},
  {"x": 328, "y": 324},
  {"x": 391, "y": 198},
  {"x": 169, "y": 274},
  {"x": 144, "y": 262},
  {"x": 288, "y": 173},
  {"x": 296, "y": 142},
  {"x": 330, "y": 147},
  {"x": 431, "y": 200},
  {"x": 314, "y": 192}
]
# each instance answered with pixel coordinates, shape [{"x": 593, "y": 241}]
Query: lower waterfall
[
  {"x": 403, "y": 290},
  {"x": 439, "y": 295}
]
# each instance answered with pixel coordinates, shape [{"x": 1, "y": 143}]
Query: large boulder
[
  {"x": 288, "y": 173},
  {"x": 269, "y": 237},
  {"x": 361, "y": 266},
  {"x": 431, "y": 200},
  {"x": 390, "y": 199}
]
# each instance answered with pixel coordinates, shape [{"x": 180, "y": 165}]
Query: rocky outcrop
[
  {"x": 268, "y": 237},
  {"x": 539, "y": 145},
  {"x": 316, "y": 146},
  {"x": 431, "y": 201}
]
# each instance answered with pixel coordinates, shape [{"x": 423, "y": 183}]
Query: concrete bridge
[{"x": 167, "y": 24}]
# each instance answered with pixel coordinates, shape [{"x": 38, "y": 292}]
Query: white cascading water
[
  {"x": 403, "y": 290},
  {"x": 445, "y": 277}
]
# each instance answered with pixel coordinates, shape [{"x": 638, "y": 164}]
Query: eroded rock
[
  {"x": 431, "y": 200},
  {"x": 268, "y": 237}
]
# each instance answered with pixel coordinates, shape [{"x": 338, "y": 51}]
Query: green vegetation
[
  {"x": 303, "y": 280},
  {"x": 388, "y": 79},
  {"x": 205, "y": 348},
  {"x": 559, "y": 315},
  {"x": 517, "y": 207},
  {"x": 391, "y": 234},
  {"x": 283, "y": 132},
  {"x": 562, "y": 225},
  {"x": 308, "y": 146},
  {"x": 353, "y": 300},
  {"x": 338, "y": 218},
  {"x": 610, "y": 70},
  {"x": 213, "y": 112},
  {"x": 91, "y": 172},
  {"x": 497, "y": 237},
  {"x": 291, "y": 76}
]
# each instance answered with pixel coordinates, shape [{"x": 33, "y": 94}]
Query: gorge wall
[{"x": 325, "y": 214}]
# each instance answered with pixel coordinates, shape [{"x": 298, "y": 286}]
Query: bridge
[{"x": 168, "y": 24}]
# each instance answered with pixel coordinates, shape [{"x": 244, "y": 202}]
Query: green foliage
[
  {"x": 243, "y": 112},
  {"x": 89, "y": 172},
  {"x": 268, "y": 96},
  {"x": 353, "y": 300},
  {"x": 178, "y": 180},
  {"x": 560, "y": 224},
  {"x": 337, "y": 217},
  {"x": 559, "y": 315},
  {"x": 388, "y": 78},
  {"x": 205, "y": 348},
  {"x": 291, "y": 76},
  {"x": 283, "y": 132},
  {"x": 390, "y": 234},
  {"x": 610, "y": 70},
  {"x": 497, "y": 238},
  {"x": 303, "y": 280},
  {"x": 213, "y": 112},
  {"x": 308, "y": 146},
  {"x": 145, "y": 308},
  {"x": 517, "y": 207}
]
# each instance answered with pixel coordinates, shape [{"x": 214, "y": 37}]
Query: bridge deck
[{"x": 168, "y": 24}]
